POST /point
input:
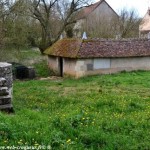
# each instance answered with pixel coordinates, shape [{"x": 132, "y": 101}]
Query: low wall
[{"x": 6, "y": 85}]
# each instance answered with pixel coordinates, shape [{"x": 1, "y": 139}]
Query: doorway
[{"x": 60, "y": 66}]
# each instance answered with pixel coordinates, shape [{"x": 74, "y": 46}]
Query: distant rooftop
[
  {"x": 87, "y": 10},
  {"x": 83, "y": 13}
]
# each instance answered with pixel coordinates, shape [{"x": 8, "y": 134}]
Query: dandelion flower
[{"x": 69, "y": 140}]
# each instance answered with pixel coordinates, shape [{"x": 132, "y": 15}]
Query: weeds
[{"x": 99, "y": 112}]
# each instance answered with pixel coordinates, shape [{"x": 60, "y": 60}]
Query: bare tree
[
  {"x": 40, "y": 21},
  {"x": 46, "y": 12},
  {"x": 125, "y": 25},
  {"x": 129, "y": 23},
  {"x": 4, "y": 12}
]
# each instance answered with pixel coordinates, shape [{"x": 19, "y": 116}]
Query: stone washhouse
[{"x": 76, "y": 57}]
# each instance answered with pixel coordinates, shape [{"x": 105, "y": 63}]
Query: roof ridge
[
  {"x": 97, "y": 4},
  {"x": 87, "y": 10}
]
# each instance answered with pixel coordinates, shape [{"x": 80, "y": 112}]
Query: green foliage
[
  {"x": 69, "y": 31},
  {"x": 99, "y": 112},
  {"x": 27, "y": 57},
  {"x": 42, "y": 69},
  {"x": 24, "y": 55}
]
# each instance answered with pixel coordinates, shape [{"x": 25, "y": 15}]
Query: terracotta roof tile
[
  {"x": 65, "y": 48},
  {"x": 83, "y": 13},
  {"x": 100, "y": 48}
]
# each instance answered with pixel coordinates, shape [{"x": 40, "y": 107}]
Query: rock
[
  {"x": 2, "y": 82},
  {"x": 6, "y": 83},
  {"x": 31, "y": 73},
  {"x": 5, "y": 100},
  {"x": 4, "y": 91}
]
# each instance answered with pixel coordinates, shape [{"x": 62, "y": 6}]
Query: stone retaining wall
[{"x": 6, "y": 85}]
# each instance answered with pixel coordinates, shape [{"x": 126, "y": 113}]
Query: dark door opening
[{"x": 60, "y": 63}]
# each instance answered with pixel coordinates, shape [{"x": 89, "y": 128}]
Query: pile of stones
[{"x": 6, "y": 83}]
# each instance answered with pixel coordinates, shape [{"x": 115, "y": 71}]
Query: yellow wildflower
[{"x": 69, "y": 140}]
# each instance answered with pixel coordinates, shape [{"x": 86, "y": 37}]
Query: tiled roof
[
  {"x": 83, "y": 13},
  {"x": 65, "y": 48},
  {"x": 87, "y": 10},
  {"x": 74, "y": 48}
]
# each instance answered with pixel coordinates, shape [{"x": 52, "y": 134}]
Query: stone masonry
[{"x": 6, "y": 83}]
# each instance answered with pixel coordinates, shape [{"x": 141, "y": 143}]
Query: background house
[
  {"x": 96, "y": 19},
  {"x": 144, "y": 27},
  {"x": 78, "y": 57}
]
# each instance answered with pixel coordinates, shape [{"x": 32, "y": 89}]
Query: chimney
[
  {"x": 84, "y": 36},
  {"x": 61, "y": 37}
]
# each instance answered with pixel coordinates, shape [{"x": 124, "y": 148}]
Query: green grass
[
  {"x": 42, "y": 69},
  {"x": 27, "y": 57},
  {"x": 107, "y": 112}
]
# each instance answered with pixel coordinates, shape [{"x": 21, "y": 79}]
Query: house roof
[
  {"x": 96, "y": 48},
  {"x": 89, "y": 9},
  {"x": 145, "y": 24},
  {"x": 65, "y": 48}
]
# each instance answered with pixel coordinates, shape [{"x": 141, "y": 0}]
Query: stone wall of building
[
  {"x": 6, "y": 85},
  {"x": 53, "y": 64},
  {"x": 95, "y": 66},
  {"x": 69, "y": 66}
]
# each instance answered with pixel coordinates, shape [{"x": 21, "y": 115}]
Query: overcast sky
[{"x": 140, "y": 6}]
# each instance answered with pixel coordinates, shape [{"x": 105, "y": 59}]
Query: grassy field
[
  {"x": 28, "y": 57},
  {"x": 25, "y": 55},
  {"x": 106, "y": 112}
]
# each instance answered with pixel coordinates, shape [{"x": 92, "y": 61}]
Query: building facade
[
  {"x": 78, "y": 58},
  {"x": 95, "y": 19}
]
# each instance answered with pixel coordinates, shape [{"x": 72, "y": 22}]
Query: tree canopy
[{"x": 41, "y": 22}]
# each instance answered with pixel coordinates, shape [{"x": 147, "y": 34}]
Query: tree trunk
[{"x": 46, "y": 39}]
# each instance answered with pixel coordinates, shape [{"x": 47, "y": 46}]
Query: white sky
[{"x": 140, "y": 6}]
